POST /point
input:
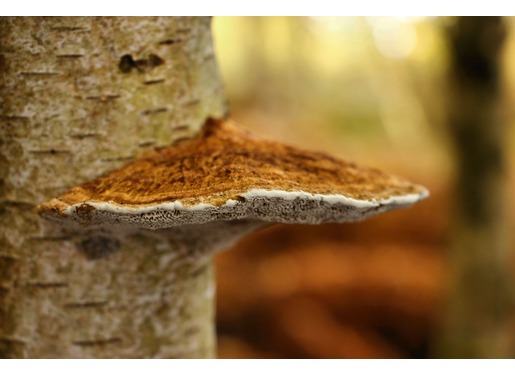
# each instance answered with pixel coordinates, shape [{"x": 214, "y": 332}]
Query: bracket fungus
[{"x": 210, "y": 190}]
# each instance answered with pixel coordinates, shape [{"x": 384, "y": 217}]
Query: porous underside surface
[{"x": 228, "y": 174}]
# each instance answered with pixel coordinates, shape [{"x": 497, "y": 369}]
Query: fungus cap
[{"x": 227, "y": 174}]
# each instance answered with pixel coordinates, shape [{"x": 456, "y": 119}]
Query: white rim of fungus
[{"x": 252, "y": 194}]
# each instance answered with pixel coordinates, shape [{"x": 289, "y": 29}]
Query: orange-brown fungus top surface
[{"x": 223, "y": 162}]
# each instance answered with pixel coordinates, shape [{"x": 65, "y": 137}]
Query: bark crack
[
  {"x": 170, "y": 41},
  {"x": 14, "y": 118},
  {"x": 154, "y": 81},
  {"x": 103, "y": 98},
  {"x": 85, "y": 304},
  {"x": 153, "y": 111},
  {"x": 47, "y": 285},
  {"x": 146, "y": 143},
  {"x": 181, "y": 127},
  {"x": 97, "y": 342},
  {"x": 70, "y": 55},
  {"x": 69, "y": 28},
  {"x": 40, "y": 74},
  {"x": 17, "y": 204},
  {"x": 121, "y": 158},
  {"x": 191, "y": 103},
  {"x": 50, "y": 238},
  {"x": 12, "y": 340},
  {"x": 9, "y": 257},
  {"x": 51, "y": 151},
  {"x": 84, "y": 135}
]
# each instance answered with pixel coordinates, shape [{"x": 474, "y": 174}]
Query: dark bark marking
[
  {"x": 47, "y": 285},
  {"x": 153, "y": 61},
  {"x": 68, "y": 28},
  {"x": 181, "y": 139},
  {"x": 153, "y": 81},
  {"x": 50, "y": 151},
  {"x": 49, "y": 238},
  {"x": 39, "y": 74},
  {"x": 7, "y": 339},
  {"x": 103, "y": 98},
  {"x": 8, "y": 257},
  {"x": 191, "y": 103},
  {"x": 17, "y": 204},
  {"x": 84, "y": 135},
  {"x": 97, "y": 342},
  {"x": 70, "y": 56},
  {"x": 128, "y": 63},
  {"x": 147, "y": 143},
  {"x": 181, "y": 127},
  {"x": 169, "y": 41},
  {"x": 85, "y": 304},
  {"x": 14, "y": 118},
  {"x": 122, "y": 158},
  {"x": 153, "y": 111},
  {"x": 183, "y": 31}
]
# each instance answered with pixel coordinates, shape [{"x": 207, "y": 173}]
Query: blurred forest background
[{"x": 429, "y": 281}]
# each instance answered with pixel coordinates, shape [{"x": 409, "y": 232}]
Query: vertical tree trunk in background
[
  {"x": 80, "y": 96},
  {"x": 480, "y": 300}
]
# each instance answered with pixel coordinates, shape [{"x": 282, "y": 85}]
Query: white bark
[{"x": 71, "y": 108}]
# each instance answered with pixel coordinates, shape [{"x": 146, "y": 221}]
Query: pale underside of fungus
[{"x": 225, "y": 182}]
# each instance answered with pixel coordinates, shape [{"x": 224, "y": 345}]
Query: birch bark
[{"x": 80, "y": 96}]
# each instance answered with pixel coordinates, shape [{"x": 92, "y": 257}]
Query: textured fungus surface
[{"x": 228, "y": 174}]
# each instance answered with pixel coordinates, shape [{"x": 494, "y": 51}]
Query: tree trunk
[
  {"x": 480, "y": 302},
  {"x": 79, "y": 97}
]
